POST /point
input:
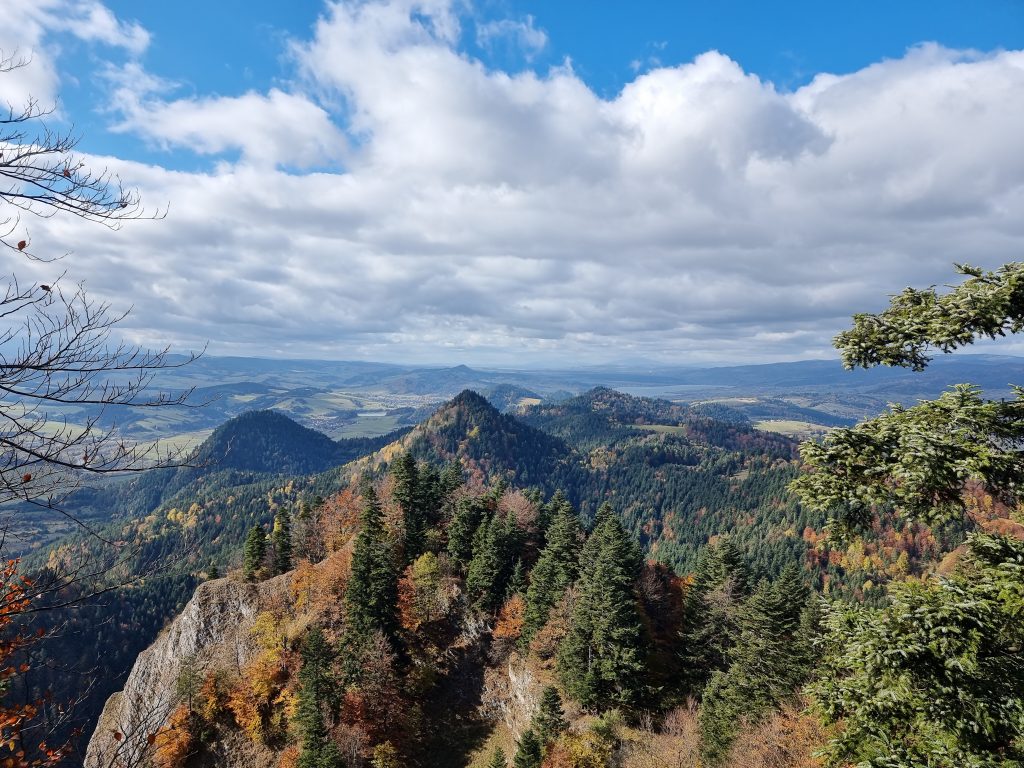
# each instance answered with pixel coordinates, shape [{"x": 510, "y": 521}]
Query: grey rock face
[{"x": 213, "y": 629}]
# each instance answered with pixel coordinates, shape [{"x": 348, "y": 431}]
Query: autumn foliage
[
  {"x": 510, "y": 619},
  {"x": 175, "y": 741},
  {"x": 15, "y": 718}
]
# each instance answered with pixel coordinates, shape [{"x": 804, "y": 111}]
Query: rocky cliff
[{"x": 212, "y": 630}]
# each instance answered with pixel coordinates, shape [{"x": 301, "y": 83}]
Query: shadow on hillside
[{"x": 456, "y": 728}]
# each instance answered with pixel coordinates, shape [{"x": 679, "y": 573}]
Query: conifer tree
[
  {"x": 409, "y": 495},
  {"x": 713, "y": 612},
  {"x": 450, "y": 480},
  {"x": 371, "y": 598},
  {"x": 254, "y": 552},
  {"x": 517, "y": 581},
  {"x": 722, "y": 710},
  {"x": 281, "y": 541},
  {"x": 600, "y": 661},
  {"x": 935, "y": 676},
  {"x": 528, "y": 753},
  {"x": 462, "y": 530},
  {"x": 548, "y": 512},
  {"x": 556, "y": 569},
  {"x": 768, "y": 664},
  {"x": 498, "y": 759},
  {"x": 315, "y": 684},
  {"x": 494, "y": 546},
  {"x": 592, "y": 545},
  {"x": 549, "y": 722}
]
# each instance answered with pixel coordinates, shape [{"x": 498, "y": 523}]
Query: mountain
[
  {"x": 676, "y": 478},
  {"x": 509, "y": 398},
  {"x": 268, "y": 441},
  {"x": 440, "y": 673}
]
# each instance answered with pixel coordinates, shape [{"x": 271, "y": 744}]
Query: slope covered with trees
[
  {"x": 457, "y": 622},
  {"x": 681, "y": 486}
]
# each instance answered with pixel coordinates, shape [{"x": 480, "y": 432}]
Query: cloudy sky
[{"x": 510, "y": 182}]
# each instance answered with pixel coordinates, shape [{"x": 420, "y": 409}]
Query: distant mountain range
[{"x": 358, "y": 399}]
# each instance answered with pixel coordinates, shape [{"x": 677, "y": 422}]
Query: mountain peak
[
  {"x": 269, "y": 441},
  {"x": 471, "y": 399}
]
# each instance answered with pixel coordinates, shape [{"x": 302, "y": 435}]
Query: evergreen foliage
[
  {"x": 601, "y": 659},
  {"x": 713, "y": 611},
  {"x": 498, "y": 759},
  {"x": 495, "y": 544},
  {"x": 315, "y": 687},
  {"x": 409, "y": 494},
  {"x": 517, "y": 580},
  {"x": 371, "y": 598},
  {"x": 281, "y": 541},
  {"x": 767, "y": 665},
  {"x": 469, "y": 513},
  {"x": 935, "y": 676},
  {"x": 987, "y": 304},
  {"x": 549, "y": 721},
  {"x": 556, "y": 568},
  {"x": 528, "y": 753},
  {"x": 254, "y": 552}
]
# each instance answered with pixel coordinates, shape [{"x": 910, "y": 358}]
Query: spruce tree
[
  {"x": 722, "y": 710},
  {"x": 254, "y": 552},
  {"x": 768, "y": 664},
  {"x": 409, "y": 495},
  {"x": 550, "y": 719},
  {"x": 592, "y": 546},
  {"x": 548, "y": 512},
  {"x": 315, "y": 686},
  {"x": 371, "y": 598},
  {"x": 601, "y": 659},
  {"x": 494, "y": 546},
  {"x": 935, "y": 677},
  {"x": 462, "y": 530},
  {"x": 556, "y": 569},
  {"x": 528, "y": 753},
  {"x": 517, "y": 581},
  {"x": 498, "y": 759},
  {"x": 713, "y": 611},
  {"x": 450, "y": 480},
  {"x": 281, "y": 541}
]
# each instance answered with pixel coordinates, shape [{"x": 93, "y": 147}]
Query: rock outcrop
[{"x": 212, "y": 631}]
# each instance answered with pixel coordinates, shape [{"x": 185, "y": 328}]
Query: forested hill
[
  {"x": 677, "y": 480},
  {"x": 249, "y": 447},
  {"x": 488, "y": 443},
  {"x": 268, "y": 441}
]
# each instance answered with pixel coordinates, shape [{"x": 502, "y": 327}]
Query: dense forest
[
  {"x": 397, "y": 646},
  {"x": 678, "y": 480}
]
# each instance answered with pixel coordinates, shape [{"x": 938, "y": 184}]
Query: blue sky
[
  {"x": 502, "y": 181},
  {"x": 229, "y": 47}
]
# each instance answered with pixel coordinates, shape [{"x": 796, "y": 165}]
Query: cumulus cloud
[
  {"x": 700, "y": 214},
  {"x": 275, "y": 128},
  {"x": 27, "y": 29}
]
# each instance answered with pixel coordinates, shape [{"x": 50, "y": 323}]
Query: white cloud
[
  {"x": 94, "y": 22},
  {"x": 26, "y": 31},
  {"x": 523, "y": 34},
  {"x": 700, "y": 214},
  {"x": 277, "y": 128}
]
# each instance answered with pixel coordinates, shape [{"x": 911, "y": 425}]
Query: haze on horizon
[{"x": 488, "y": 183}]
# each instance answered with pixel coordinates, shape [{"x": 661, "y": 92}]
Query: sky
[{"x": 511, "y": 182}]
